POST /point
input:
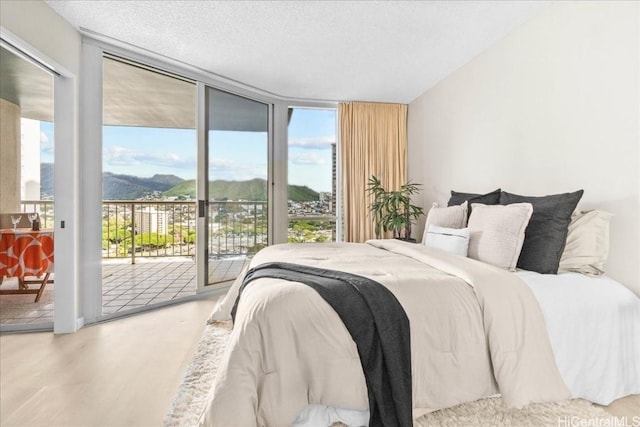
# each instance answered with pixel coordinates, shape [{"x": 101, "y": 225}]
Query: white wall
[
  {"x": 551, "y": 108},
  {"x": 38, "y": 25},
  {"x": 37, "y": 29}
]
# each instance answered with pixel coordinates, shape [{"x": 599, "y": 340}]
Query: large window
[
  {"x": 191, "y": 173},
  {"x": 312, "y": 154},
  {"x": 148, "y": 186},
  {"x": 237, "y": 169}
]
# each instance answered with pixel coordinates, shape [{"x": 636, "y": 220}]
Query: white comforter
[
  {"x": 594, "y": 329},
  {"x": 475, "y": 330}
]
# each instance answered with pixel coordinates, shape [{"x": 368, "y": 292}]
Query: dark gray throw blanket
[{"x": 377, "y": 324}]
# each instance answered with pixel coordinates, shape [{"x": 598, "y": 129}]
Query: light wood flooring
[{"x": 119, "y": 373}]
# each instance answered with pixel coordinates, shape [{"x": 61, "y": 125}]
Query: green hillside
[
  {"x": 129, "y": 187},
  {"x": 299, "y": 193},
  {"x": 185, "y": 188},
  {"x": 254, "y": 190},
  {"x": 116, "y": 186}
]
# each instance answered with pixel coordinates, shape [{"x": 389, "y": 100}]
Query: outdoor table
[{"x": 26, "y": 253}]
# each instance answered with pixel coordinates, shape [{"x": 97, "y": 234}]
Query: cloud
[
  {"x": 46, "y": 146},
  {"x": 315, "y": 143},
  {"x": 306, "y": 159},
  {"x": 232, "y": 170},
  {"x": 223, "y": 164},
  {"x": 122, "y": 156}
]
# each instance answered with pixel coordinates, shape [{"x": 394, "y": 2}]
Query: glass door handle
[{"x": 201, "y": 208}]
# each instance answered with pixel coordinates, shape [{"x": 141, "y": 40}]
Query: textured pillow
[
  {"x": 547, "y": 231},
  {"x": 496, "y": 233},
  {"x": 492, "y": 198},
  {"x": 587, "y": 245},
  {"x": 451, "y": 217},
  {"x": 454, "y": 240}
]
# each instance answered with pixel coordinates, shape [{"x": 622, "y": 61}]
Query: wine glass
[
  {"x": 15, "y": 219},
  {"x": 32, "y": 217}
]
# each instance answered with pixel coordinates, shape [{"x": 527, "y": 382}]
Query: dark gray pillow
[
  {"x": 546, "y": 234},
  {"x": 457, "y": 198}
]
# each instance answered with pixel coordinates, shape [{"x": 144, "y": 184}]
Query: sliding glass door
[
  {"x": 148, "y": 186},
  {"x": 26, "y": 189},
  {"x": 235, "y": 200},
  {"x": 194, "y": 180}
]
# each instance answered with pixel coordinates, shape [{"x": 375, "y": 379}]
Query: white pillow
[
  {"x": 496, "y": 233},
  {"x": 587, "y": 247},
  {"x": 448, "y": 217},
  {"x": 455, "y": 240}
]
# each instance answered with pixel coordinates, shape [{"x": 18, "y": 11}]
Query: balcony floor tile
[{"x": 125, "y": 286}]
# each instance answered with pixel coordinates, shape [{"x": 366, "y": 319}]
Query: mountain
[
  {"x": 302, "y": 193},
  {"x": 129, "y": 187},
  {"x": 115, "y": 186},
  {"x": 46, "y": 180},
  {"x": 254, "y": 189}
]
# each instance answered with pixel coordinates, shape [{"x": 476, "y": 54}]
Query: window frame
[{"x": 93, "y": 49}]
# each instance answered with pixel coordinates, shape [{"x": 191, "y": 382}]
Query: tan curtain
[{"x": 373, "y": 141}]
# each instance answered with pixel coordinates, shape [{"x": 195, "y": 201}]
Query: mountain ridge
[
  {"x": 253, "y": 190},
  {"x": 131, "y": 187}
]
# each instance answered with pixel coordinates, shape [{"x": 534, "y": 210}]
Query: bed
[
  {"x": 486, "y": 314},
  {"x": 476, "y": 331}
]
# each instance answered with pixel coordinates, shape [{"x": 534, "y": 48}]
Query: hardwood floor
[
  {"x": 119, "y": 373},
  {"x": 628, "y": 407}
]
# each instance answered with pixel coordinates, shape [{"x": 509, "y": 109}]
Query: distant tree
[
  {"x": 189, "y": 238},
  {"x": 151, "y": 240},
  {"x": 114, "y": 231}
]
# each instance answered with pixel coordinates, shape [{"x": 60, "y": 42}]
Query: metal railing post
[{"x": 133, "y": 233}]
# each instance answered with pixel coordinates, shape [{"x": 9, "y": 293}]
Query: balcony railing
[
  {"x": 237, "y": 228},
  {"x": 148, "y": 228},
  {"x": 142, "y": 228},
  {"x": 44, "y": 209}
]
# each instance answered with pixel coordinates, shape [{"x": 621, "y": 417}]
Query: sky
[
  {"x": 311, "y": 133},
  {"x": 145, "y": 152},
  {"x": 46, "y": 142}
]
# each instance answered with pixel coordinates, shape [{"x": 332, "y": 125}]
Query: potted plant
[{"x": 392, "y": 210}]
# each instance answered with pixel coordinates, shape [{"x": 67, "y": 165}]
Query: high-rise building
[{"x": 149, "y": 220}]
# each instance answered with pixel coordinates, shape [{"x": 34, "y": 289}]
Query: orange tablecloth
[{"x": 25, "y": 253}]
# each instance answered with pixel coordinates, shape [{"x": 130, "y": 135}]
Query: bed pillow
[
  {"x": 449, "y": 217},
  {"x": 546, "y": 234},
  {"x": 496, "y": 233},
  {"x": 587, "y": 246},
  {"x": 454, "y": 240},
  {"x": 457, "y": 198}
]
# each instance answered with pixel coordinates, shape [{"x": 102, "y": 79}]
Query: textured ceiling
[{"x": 326, "y": 50}]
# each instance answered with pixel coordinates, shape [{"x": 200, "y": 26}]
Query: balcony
[{"x": 148, "y": 251}]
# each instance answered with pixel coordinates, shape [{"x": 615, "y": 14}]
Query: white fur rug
[{"x": 194, "y": 390}]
